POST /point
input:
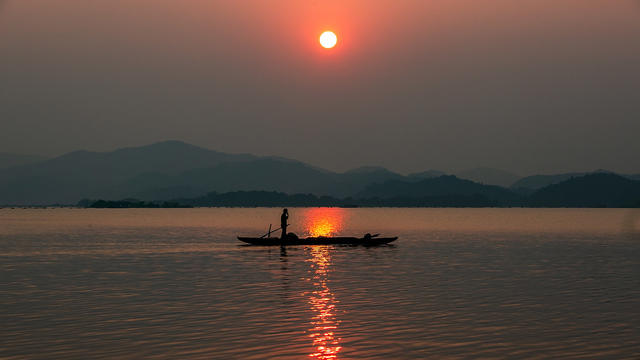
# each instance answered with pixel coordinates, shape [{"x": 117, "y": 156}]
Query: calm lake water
[{"x": 459, "y": 283}]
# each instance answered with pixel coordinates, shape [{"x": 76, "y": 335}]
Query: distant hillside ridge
[
  {"x": 592, "y": 190},
  {"x": 176, "y": 170},
  {"x": 78, "y": 174},
  {"x": 489, "y": 176},
  {"x": 446, "y": 185},
  {"x": 535, "y": 182},
  {"x": 428, "y": 174},
  {"x": 171, "y": 169}
]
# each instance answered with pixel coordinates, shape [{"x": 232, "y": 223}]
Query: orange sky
[{"x": 426, "y": 72}]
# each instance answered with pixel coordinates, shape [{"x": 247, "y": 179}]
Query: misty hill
[
  {"x": 536, "y": 182},
  {"x": 592, "y": 190},
  {"x": 446, "y": 191},
  {"x": 176, "y": 170},
  {"x": 9, "y": 160},
  {"x": 266, "y": 174},
  {"x": 447, "y": 185},
  {"x": 262, "y": 174},
  {"x": 489, "y": 176},
  {"x": 79, "y": 174},
  {"x": 355, "y": 180},
  {"x": 375, "y": 171},
  {"x": 169, "y": 170},
  {"x": 429, "y": 174}
]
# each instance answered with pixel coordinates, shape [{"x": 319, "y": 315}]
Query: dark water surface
[{"x": 459, "y": 283}]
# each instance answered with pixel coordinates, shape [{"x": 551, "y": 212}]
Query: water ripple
[{"x": 156, "y": 291}]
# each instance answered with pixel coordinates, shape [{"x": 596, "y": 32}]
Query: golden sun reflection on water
[
  {"x": 323, "y": 305},
  {"x": 323, "y": 221}
]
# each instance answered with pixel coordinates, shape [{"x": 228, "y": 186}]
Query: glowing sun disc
[{"x": 328, "y": 39}]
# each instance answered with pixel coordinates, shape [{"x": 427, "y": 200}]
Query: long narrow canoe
[{"x": 274, "y": 241}]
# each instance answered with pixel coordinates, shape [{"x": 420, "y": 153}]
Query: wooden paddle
[{"x": 272, "y": 231}]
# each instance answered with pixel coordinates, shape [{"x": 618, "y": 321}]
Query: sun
[{"x": 328, "y": 39}]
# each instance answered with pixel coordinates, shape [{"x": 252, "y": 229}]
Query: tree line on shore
[{"x": 595, "y": 190}]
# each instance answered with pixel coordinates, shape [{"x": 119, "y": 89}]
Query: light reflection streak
[{"x": 323, "y": 305}]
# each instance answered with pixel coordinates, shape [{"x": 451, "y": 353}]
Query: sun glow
[
  {"x": 323, "y": 221},
  {"x": 328, "y": 39}
]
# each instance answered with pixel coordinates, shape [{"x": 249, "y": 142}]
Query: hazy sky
[{"x": 524, "y": 85}]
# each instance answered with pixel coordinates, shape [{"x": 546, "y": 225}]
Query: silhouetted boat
[{"x": 274, "y": 241}]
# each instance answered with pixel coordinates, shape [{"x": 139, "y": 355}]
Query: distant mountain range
[
  {"x": 168, "y": 170},
  {"x": 482, "y": 175},
  {"x": 80, "y": 174},
  {"x": 175, "y": 170},
  {"x": 489, "y": 176},
  {"x": 429, "y": 174},
  {"x": 592, "y": 190},
  {"x": 535, "y": 182},
  {"x": 439, "y": 186}
]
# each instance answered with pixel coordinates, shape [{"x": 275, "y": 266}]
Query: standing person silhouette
[{"x": 283, "y": 222}]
